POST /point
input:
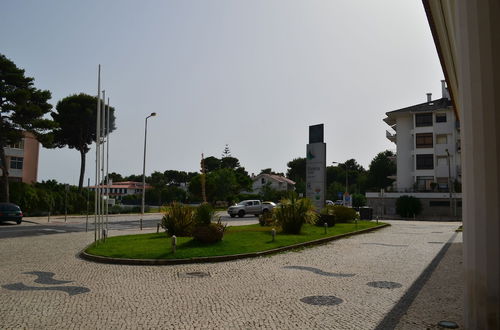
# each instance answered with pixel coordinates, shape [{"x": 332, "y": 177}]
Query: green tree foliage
[
  {"x": 22, "y": 108},
  {"x": 358, "y": 200},
  {"x": 76, "y": 116},
  {"x": 408, "y": 206},
  {"x": 115, "y": 177},
  {"x": 49, "y": 196},
  {"x": 211, "y": 164},
  {"x": 380, "y": 168},
  {"x": 229, "y": 162}
]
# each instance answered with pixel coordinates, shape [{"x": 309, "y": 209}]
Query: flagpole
[{"x": 97, "y": 158}]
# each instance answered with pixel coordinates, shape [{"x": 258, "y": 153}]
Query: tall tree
[
  {"x": 76, "y": 116},
  {"x": 211, "y": 164},
  {"x": 380, "y": 168},
  {"x": 22, "y": 108}
]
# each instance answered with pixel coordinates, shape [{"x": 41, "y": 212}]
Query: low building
[
  {"x": 119, "y": 189},
  {"x": 22, "y": 159},
  {"x": 273, "y": 181}
]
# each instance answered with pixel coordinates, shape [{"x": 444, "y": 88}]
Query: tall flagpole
[
  {"x": 97, "y": 158},
  {"x": 103, "y": 141},
  {"x": 107, "y": 163}
]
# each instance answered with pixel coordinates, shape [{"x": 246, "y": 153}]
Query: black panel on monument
[{"x": 316, "y": 133}]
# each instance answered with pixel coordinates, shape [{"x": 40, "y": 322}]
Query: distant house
[
  {"x": 120, "y": 189},
  {"x": 22, "y": 159},
  {"x": 276, "y": 182}
]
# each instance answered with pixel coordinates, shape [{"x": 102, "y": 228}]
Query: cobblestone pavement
[{"x": 266, "y": 292}]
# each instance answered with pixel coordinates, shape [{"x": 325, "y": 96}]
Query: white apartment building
[
  {"x": 427, "y": 138},
  {"x": 428, "y": 158}
]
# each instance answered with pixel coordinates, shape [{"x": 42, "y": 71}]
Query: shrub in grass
[
  {"x": 408, "y": 206},
  {"x": 293, "y": 213},
  {"x": 266, "y": 219},
  {"x": 178, "y": 220},
  {"x": 204, "y": 230},
  {"x": 336, "y": 214},
  {"x": 203, "y": 214},
  {"x": 210, "y": 233}
]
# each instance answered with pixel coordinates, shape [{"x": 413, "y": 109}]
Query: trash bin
[{"x": 366, "y": 213}]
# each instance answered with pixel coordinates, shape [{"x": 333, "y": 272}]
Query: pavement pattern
[{"x": 303, "y": 289}]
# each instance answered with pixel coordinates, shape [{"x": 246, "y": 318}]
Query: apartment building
[
  {"x": 22, "y": 159},
  {"x": 428, "y": 158},
  {"x": 427, "y": 138}
]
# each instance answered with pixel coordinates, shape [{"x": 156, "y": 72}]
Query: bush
[
  {"x": 408, "y": 206},
  {"x": 266, "y": 219},
  {"x": 293, "y": 213},
  {"x": 203, "y": 214},
  {"x": 178, "y": 220},
  {"x": 336, "y": 214},
  {"x": 210, "y": 233}
]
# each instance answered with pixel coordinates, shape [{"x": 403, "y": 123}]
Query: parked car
[
  {"x": 10, "y": 212},
  {"x": 253, "y": 206},
  {"x": 328, "y": 202}
]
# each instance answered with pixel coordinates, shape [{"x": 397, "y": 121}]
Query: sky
[{"x": 253, "y": 74}]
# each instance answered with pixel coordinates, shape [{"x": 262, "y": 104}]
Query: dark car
[{"x": 11, "y": 212}]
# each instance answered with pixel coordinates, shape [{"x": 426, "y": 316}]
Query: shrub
[
  {"x": 203, "y": 214},
  {"x": 408, "y": 206},
  {"x": 178, "y": 220},
  {"x": 293, "y": 213},
  {"x": 336, "y": 214},
  {"x": 266, "y": 219},
  {"x": 210, "y": 233}
]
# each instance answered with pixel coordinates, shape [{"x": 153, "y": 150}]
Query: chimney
[
  {"x": 429, "y": 97},
  {"x": 444, "y": 90}
]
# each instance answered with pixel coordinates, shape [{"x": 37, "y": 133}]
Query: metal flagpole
[
  {"x": 96, "y": 196},
  {"x": 103, "y": 178},
  {"x": 107, "y": 164}
]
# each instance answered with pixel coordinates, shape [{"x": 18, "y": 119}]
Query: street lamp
[{"x": 144, "y": 165}]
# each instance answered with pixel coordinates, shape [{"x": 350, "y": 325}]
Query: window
[
  {"x": 442, "y": 184},
  {"x": 441, "y": 139},
  {"x": 423, "y": 140},
  {"x": 425, "y": 162},
  {"x": 439, "y": 203},
  {"x": 424, "y": 183},
  {"x": 423, "y": 119},
  {"x": 19, "y": 145},
  {"x": 262, "y": 180},
  {"x": 440, "y": 118},
  {"x": 16, "y": 163}
]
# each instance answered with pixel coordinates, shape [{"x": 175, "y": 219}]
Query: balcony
[{"x": 391, "y": 137}]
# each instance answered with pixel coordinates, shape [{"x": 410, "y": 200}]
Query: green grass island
[{"x": 237, "y": 240}]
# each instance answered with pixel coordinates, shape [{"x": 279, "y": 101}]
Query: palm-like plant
[{"x": 293, "y": 213}]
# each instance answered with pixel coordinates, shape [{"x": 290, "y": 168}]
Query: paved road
[
  {"x": 351, "y": 283},
  {"x": 37, "y": 226}
]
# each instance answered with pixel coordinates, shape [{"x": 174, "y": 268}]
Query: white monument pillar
[{"x": 316, "y": 167}]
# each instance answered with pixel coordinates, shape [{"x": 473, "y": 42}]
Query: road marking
[{"x": 54, "y": 230}]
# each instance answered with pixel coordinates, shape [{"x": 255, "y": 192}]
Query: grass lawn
[{"x": 237, "y": 240}]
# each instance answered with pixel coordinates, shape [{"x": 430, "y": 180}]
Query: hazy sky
[{"x": 253, "y": 74}]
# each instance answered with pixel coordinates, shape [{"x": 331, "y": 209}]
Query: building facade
[
  {"x": 22, "y": 159},
  {"x": 427, "y": 138},
  {"x": 119, "y": 189},
  {"x": 276, "y": 182},
  {"x": 428, "y": 158}
]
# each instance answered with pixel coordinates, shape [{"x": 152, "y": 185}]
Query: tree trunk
[
  {"x": 4, "y": 184},
  {"x": 82, "y": 169}
]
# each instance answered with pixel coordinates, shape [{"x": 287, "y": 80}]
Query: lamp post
[{"x": 144, "y": 165}]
